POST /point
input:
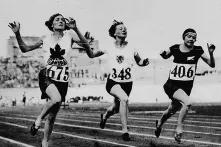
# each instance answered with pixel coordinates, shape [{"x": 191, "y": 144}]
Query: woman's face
[
  {"x": 121, "y": 31},
  {"x": 190, "y": 39},
  {"x": 59, "y": 23}
]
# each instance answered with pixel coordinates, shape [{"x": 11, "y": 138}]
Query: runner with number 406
[{"x": 181, "y": 77}]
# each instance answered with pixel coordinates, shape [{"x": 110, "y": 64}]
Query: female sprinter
[
  {"x": 120, "y": 80},
  {"x": 181, "y": 76},
  {"x": 53, "y": 79}
]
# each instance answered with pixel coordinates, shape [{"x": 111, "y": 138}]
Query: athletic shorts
[
  {"x": 45, "y": 81},
  {"x": 170, "y": 87},
  {"x": 126, "y": 86}
]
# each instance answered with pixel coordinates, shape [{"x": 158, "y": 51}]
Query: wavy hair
[
  {"x": 49, "y": 22},
  {"x": 113, "y": 27}
]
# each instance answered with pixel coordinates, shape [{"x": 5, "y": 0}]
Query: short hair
[
  {"x": 49, "y": 22},
  {"x": 113, "y": 28},
  {"x": 187, "y": 31}
]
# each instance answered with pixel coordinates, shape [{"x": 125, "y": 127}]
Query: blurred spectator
[
  {"x": 24, "y": 73},
  {"x": 14, "y": 102},
  {"x": 24, "y": 98}
]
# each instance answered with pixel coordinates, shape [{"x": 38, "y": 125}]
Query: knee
[
  {"x": 187, "y": 104},
  {"x": 56, "y": 99},
  {"x": 124, "y": 100}
]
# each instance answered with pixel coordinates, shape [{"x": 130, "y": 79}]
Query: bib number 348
[
  {"x": 124, "y": 74},
  {"x": 58, "y": 73}
]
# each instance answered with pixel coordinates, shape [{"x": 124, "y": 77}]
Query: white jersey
[
  {"x": 56, "y": 55},
  {"x": 121, "y": 61}
]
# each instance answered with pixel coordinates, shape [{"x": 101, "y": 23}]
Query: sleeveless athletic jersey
[
  {"x": 183, "y": 70},
  {"x": 121, "y": 62},
  {"x": 56, "y": 55}
]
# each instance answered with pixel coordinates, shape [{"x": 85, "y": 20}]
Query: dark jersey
[{"x": 183, "y": 70}]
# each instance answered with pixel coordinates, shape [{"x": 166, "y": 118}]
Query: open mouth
[{"x": 124, "y": 33}]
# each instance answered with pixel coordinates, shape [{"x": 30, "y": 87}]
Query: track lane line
[
  {"x": 70, "y": 135},
  {"x": 141, "y": 121},
  {"x": 86, "y": 121},
  {"x": 138, "y": 134},
  {"x": 15, "y": 142}
]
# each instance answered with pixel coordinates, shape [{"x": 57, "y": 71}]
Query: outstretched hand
[
  {"x": 211, "y": 47},
  {"x": 163, "y": 53},
  {"x": 146, "y": 62},
  {"x": 15, "y": 26},
  {"x": 71, "y": 23},
  {"x": 88, "y": 37}
]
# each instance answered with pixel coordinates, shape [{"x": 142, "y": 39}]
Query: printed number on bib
[
  {"x": 182, "y": 72},
  {"x": 124, "y": 74},
  {"x": 58, "y": 73}
]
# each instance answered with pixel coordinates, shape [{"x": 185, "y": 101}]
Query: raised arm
[
  {"x": 93, "y": 53},
  {"x": 210, "y": 61},
  {"x": 24, "y": 47},
  {"x": 165, "y": 54},
  {"x": 139, "y": 61},
  {"x": 83, "y": 41}
]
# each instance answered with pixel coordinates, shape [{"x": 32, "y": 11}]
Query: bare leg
[
  {"x": 171, "y": 110},
  {"x": 113, "y": 109},
  {"x": 119, "y": 93},
  {"x": 55, "y": 98},
  {"x": 49, "y": 123},
  {"x": 181, "y": 96}
]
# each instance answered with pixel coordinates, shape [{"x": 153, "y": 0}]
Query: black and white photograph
[{"x": 110, "y": 73}]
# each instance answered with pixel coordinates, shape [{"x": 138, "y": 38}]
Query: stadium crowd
[{"x": 24, "y": 73}]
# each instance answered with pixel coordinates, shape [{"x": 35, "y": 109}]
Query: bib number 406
[{"x": 181, "y": 71}]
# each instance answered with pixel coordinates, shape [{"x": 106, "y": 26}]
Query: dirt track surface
[{"x": 80, "y": 128}]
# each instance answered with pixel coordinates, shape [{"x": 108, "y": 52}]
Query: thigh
[
  {"x": 181, "y": 96},
  {"x": 62, "y": 88},
  {"x": 53, "y": 92},
  {"x": 118, "y": 93}
]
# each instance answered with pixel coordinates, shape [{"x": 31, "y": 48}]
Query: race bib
[
  {"x": 58, "y": 73},
  {"x": 121, "y": 75},
  {"x": 182, "y": 72}
]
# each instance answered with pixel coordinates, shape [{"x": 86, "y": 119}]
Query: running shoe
[
  {"x": 177, "y": 137},
  {"x": 126, "y": 137},
  {"x": 34, "y": 129}
]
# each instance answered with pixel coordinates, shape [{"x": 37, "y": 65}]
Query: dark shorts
[
  {"x": 45, "y": 81},
  {"x": 170, "y": 87},
  {"x": 126, "y": 86}
]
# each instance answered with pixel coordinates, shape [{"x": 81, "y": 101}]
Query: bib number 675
[{"x": 58, "y": 73}]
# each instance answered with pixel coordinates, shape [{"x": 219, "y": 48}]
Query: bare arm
[
  {"x": 210, "y": 61},
  {"x": 83, "y": 41},
  {"x": 139, "y": 61},
  {"x": 165, "y": 54},
  {"x": 24, "y": 48}
]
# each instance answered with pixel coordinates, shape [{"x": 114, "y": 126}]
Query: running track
[{"x": 81, "y": 129}]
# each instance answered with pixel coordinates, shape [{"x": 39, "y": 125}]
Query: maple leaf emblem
[
  {"x": 57, "y": 52},
  {"x": 56, "y": 57}
]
